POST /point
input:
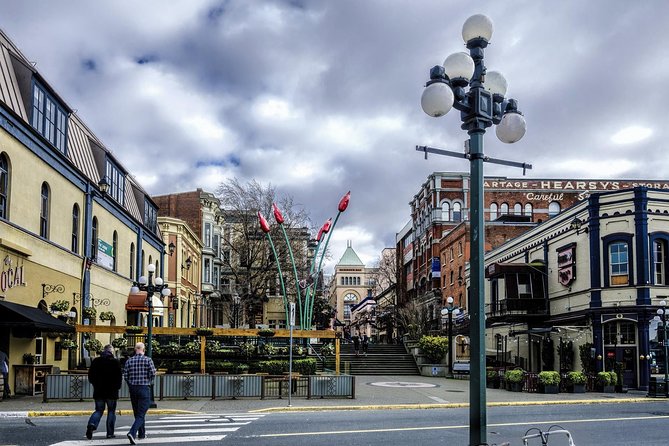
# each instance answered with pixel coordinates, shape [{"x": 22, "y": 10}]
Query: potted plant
[
  {"x": 492, "y": 378},
  {"x": 68, "y": 344},
  {"x": 60, "y": 305},
  {"x": 606, "y": 382},
  {"x": 121, "y": 342},
  {"x": 576, "y": 382},
  {"x": 549, "y": 381},
  {"x": 514, "y": 380},
  {"x": 133, "y": 329},
  {"x": 93, "y": 345},
  {"x": 107, "y": 316},
  {"x": 28, "y": 358},
  {"x": 89, "y": 312},
  {"x": 328, "y": 350}
]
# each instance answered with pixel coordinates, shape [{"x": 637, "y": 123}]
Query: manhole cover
[{"x": 402, "y": 384}]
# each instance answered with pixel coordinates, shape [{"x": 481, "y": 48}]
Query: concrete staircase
[{"x": 381, "y": 359}]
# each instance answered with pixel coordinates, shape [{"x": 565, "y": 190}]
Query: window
[
  {"x": 524, "y": 286},
  {"x": 49, "y": 118},
  {"x": 504, "y": 209},
  {"x": 553, "y": 208},
  {"x": 44, "y": 212},
  {"x": 445, "y": 211},
  {"x": 452, "y": 276},
  {"x": 618, "y": 267},
  {"x": 457, "y": 212},
  {"x": 4, "y": 186},
  {"x": 132, "y": 261},
  {"x": 459, "y": 249},
  {"x": 226, "y": 257},
  {"x": 94, "y": 239},
  {"x": 207, "y": 271},
  {"x": 216, "y": 245},
  {"x": 207, "y": 235},
  {"x": 450, "y": 252},
  {"x": 150, "y": 215},
  {"x": 659, "y": 254},
  {"x": 517, "y": 209},
  {"x": 75, "y": 229},
  {"x": 493, "y": 211},
  {"x": 528, "y": 210},
  {"x": 116, "y": 180},
  {"x": 114, "y": 251}
]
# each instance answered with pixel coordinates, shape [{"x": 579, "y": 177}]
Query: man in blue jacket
[{"x": 105, "y": 375}]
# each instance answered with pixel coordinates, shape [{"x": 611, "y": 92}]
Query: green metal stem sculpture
[{"x": 265, "y": 228}]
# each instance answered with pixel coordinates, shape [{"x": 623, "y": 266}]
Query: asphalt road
[{"x": 595, "y": 424}]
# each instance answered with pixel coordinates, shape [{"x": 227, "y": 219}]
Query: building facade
[
  {"x": 76, "y": 230},
  {"x": 580, "y": 290}
]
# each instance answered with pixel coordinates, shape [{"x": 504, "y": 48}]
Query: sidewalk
[{"x": 372, "y": 392}]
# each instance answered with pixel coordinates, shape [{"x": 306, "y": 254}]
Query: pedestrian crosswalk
[{"x": 175, "y": 429}]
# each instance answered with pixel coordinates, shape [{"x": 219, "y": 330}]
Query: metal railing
[{"x": 194, "y": 386}]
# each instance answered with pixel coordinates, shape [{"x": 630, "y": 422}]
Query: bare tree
[
  {"x": 385, "y": 271},
  {"x": 414, "y": 320},
  {"x": 251, "y": 265}
]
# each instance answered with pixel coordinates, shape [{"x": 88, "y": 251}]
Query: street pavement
[{"x": 371, "y": 393}]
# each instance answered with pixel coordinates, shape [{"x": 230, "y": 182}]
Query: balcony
[{"x": 517, "y": 310}]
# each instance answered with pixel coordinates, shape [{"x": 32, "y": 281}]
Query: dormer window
[
  {"x": 150, "y": 216},
  {"x": 49, "y": 118},
  {"x": 116, "y": 180}
]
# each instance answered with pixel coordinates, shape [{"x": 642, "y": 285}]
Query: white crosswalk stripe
[{"x": 174, "y": 429}]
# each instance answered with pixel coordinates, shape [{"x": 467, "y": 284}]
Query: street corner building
[{"x": 75, "y": 228}]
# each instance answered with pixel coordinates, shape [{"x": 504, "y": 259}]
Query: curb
[
  {"x": 452, "y": 405},
  {"x": 70, "y": 413}
]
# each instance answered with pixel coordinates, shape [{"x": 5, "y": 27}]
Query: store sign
[
  {"x": 105, "y": 254},
  {"x": 567, "y": 264},
  {"x": 436, "y": 267},
  {"x": 12, "y": 275}
]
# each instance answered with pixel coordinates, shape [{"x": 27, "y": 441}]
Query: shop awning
[
  {"x": 137, "y": 302},
  {"x": 17, "y": 315}
]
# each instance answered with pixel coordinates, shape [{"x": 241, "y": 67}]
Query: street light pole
[
  {"x": 235, "y": 311},
  {"x": 450, "y": 309},
  {"x": 662, "y": 312},
  {"x": 151, "y": 286},
  {"x": 481, "y": 106}
]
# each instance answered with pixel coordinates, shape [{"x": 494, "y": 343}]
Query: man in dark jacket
[{"x": 105, "y": 375}]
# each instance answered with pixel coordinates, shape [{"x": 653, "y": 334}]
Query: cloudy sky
[{"x": 321, "y": 97}]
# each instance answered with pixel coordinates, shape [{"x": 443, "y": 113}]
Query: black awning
[{"x": 21, "y": 316}]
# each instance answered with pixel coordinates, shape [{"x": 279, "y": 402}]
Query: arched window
[
  {"x": 75, "y": 229},
  {"x": 528, "y": 210},
  {"x": 4, "y": 186},
  {"x": 457, "y": 211},
  {"x": 504, "y": 209},
  {"x": 94, "y": 239},
  {"x": 517, "y": 209},
  {"x": 132, "y": 261},
  {"x": 493, "y": 211},
  {"x": 445, "y": 211},
  {"x": 553, "y": 208},
  {"x": 114, "y": 251},
  {"x": 44, "y": 212},
  {"x": 141, "y": 265}
]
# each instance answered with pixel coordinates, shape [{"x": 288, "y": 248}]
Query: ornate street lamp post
[
  {"x": 235, "y": 310},
  {"x": 151, "y": 286},
  {"x": 450, "y": 310},
  {"x": 481, "y": 106},
  {"x": 662, "y": 317}
]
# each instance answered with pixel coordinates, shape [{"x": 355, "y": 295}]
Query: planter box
[
  {"x": 606, "y": 389},
  {"x": 432, "y": 369},
  {"x": 514, "y": 387},
  {"x": 550, "y": 389},
  {"x": 576, "y": 388}
]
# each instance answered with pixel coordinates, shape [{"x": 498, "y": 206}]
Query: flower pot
[
  {"x": 515, "y": 386},
  {"x": 576, "y": 388},
  {"x": 549, "y": 388}
]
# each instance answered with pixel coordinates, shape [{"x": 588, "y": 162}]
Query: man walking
[
  {"x": 139, "y": 372},
  {"x": 105, "y": 375}
]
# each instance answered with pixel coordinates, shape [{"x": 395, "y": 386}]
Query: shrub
[
  {"x": 213, "y": 347},
  {"x": 192, "y": 347},
  {"x": 247, "y": 348},
  {"x": 491, "y": 373},
  {"x": 60, "y": 305},
  {"x": 268, "y": 349},
  {"x": 107, "y": 316},
  {"x": 607, "y": 378},
  {"x": 273, "y": 367},
  {"x": 93, "y": 345},
  {"x": 68, "y": 344},
  {"x": 170, "y": 349},
  {"x": 121, "y": 342},
  {"x": 433, "y": 347},
  {"x": 328, "y": 350},
  {"x": 240, "y": 368},
  {"x": 549, "y": 378},
  {"x": 514, "y": 376},
  {"x": 305, "y": 366},
  {"x": 576, "y": 378},
  {"x": 89, "y": 312}
]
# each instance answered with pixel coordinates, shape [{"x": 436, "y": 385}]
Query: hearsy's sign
[{"x": 554, "y": 190}]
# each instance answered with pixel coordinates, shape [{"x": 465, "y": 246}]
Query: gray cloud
[{"x": 319, "y": 97}]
